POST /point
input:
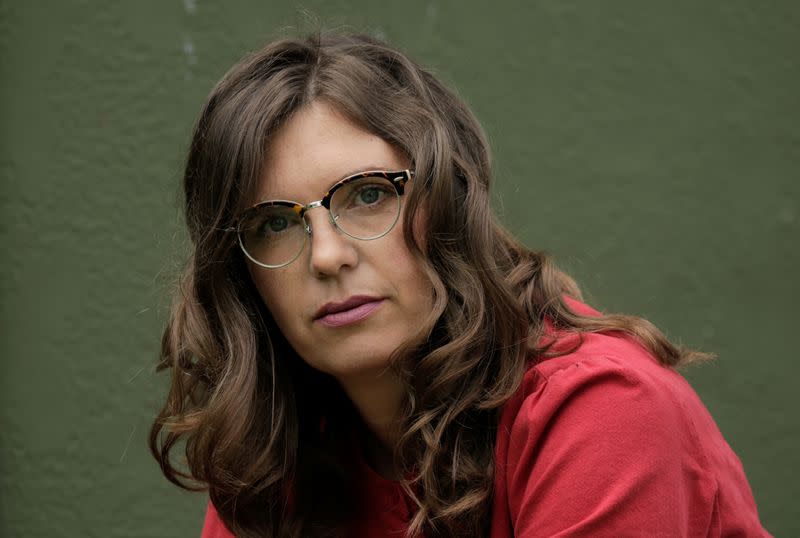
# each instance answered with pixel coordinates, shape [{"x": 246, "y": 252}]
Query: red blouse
[{"x": 602, "y": 441}]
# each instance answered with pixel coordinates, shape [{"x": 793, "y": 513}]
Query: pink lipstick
[{"x": 350, "y": 311}]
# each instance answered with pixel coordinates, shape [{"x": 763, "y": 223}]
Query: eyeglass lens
[{"x": 366, "y": 208}]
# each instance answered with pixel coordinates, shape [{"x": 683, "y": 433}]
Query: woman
[{"x": 358, "y": 348}]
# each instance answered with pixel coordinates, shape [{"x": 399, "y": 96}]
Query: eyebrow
[
  {"x": 366, "y": 168},
  {"x": 360, "y": 169}
]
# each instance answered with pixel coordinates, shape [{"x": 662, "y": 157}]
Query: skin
[{"x": 316, "y": 148}]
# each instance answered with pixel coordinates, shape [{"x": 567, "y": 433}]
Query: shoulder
[
  {"x": 607, "y": 381},
  {"x": 613, "y": 361},
  {"x": 597, "y": 430},
  {"x": 594, "y": 430},
  {"x": 604, "y": 439},
  {"x": 608, "y": 367},
  {"x": 604, "y": 395}
]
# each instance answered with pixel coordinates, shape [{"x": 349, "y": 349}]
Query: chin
[{"x": 359, "y": 361}]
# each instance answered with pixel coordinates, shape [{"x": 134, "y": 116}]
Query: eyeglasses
[{"x": 364, "y": 206}]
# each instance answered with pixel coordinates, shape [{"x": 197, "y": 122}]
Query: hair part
[{"x": 268, "y": 458}]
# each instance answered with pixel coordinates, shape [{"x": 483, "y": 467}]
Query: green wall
[{"x": 653, "y": 147}]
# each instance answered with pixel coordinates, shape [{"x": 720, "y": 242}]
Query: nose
[{"x": 331, "y": 249}]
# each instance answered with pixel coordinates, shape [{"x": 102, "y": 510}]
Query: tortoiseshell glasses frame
[{"x": 273, "y": 247}]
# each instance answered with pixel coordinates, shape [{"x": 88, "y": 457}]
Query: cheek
[
  {"x": 275, "y": 293},
  {"x": 261, "y": 283},
  {"x": 411, "y": 280}
]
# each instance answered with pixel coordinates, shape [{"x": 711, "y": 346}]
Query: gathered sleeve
[{"x": 598, "y": 449}]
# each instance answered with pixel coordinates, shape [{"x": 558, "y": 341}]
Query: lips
[{"x": 353, "y": 309}]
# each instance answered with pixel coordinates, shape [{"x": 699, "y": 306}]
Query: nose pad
[
  {"x": 331, "y": 218},
  {"x": 331, "y": 249}
]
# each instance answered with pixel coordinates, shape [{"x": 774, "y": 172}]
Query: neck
[{"x": 377, "y": 398}]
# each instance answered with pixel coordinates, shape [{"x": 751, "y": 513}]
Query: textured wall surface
[{"x": 653, "y": 147}]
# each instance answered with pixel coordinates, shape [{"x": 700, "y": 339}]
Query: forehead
[{"x": 317, "y": 147}]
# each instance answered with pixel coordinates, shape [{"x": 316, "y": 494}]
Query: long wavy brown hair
[{"x": 246, "y": 411}]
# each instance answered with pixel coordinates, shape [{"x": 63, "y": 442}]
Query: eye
[
  {"x": 368, "y": 195},
  {"x": 272, "y": 226},
  {"x": 275, "y": 224}
]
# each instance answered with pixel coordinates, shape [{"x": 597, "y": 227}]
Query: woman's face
[{"x": 310, "y": 153}]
